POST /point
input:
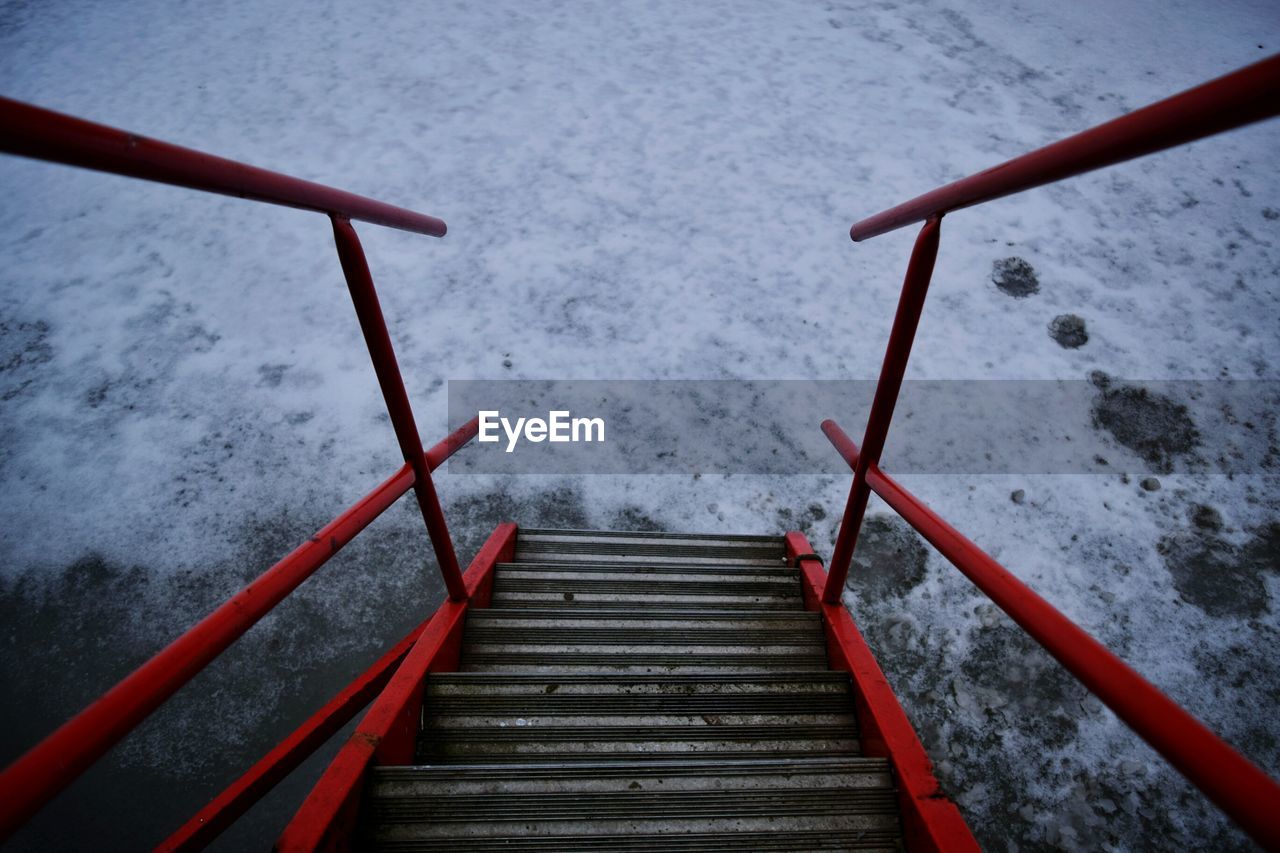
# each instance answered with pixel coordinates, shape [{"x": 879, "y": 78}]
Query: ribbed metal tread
[
  {"x": 533, "y": 534},
  {"x": 639, "y": 568},
  {"x": 497, "y": 634},
  {"x": 517, "y": 582},
  {"x": 651, "y": 557},
  {"x": 649, "y": 576},
  {"x": 624, "y": 603},
  {"x": 464, "y": 758},
  {"x": 706, "y": 730},
  {"x": 442, "y": 683},
  {"x": 714, "y": 703},
  {"x": 557, "y": 743},
  {"x": 568, "y": 616},
  {"x": 411, "y": 779},
  {"x": 633, "y": 805},
  {"x": 689, "y": 661},
  {"x": 527, "y": 617},
  {"x": 620, "y": 547},
  {"x": 767, "y": 840}
]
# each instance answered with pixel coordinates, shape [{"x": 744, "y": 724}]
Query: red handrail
[
  {"x": 55, "y": 762},
  {"x": 51, "y": 765},
  {"x": 1243, "y": 97},
  {"x": 227, "y": 807},
  {"x": 31, "y": 131},
  {"x": 1242, "y": 790}
]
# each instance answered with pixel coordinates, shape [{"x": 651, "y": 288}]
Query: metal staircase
[{"x": 647, "y": 692}]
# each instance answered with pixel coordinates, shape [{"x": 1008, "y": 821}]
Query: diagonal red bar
[
  {"x": 1236, "y": 785},
  {"x": 224, "y": 809},
  {"x": 40, "y": 774},
  {"x": 378, "y": 340}
]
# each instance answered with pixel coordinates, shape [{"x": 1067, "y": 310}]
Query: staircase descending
[{"x": 641, "y": 692}]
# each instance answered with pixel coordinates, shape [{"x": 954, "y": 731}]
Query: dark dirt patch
[
  {"x": 804, "y": 521},
  {"x": 889, "y": 561},
  {"x": 271, "y": 375},
  {"x": 1155, "y": 427},
  {"x": 24, "y": 343},
  {"x": 1219, "y": 577},
  {"x": 633, "y": 518},
  {"x": 1012, "y": 677},
  {"x": 72, "y": 631},
  {"x": 1205, "y": 517},
  {"x": 472, "y": 518},
  {"x": 1069, "y": 331},
  {"x": 24, "y": 346},
  {"x": 1015, "y": 277}
]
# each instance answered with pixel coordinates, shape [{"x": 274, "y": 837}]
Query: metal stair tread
[
  {"x": 780, "y": 588},
  {"x": 617, "y": 602},
  {"x": 800, "y": 841},
  {"x": 508, "y": 773},
  {"x": 545, "y": 534},
  {"x": 672, "y": 612},
  {"x": 638, "y": 804},
  {"x": 639, "y": 567},
  {"x": 647, "y": 575},
  {"x": 647, "y": 636},
  {"x": 809, "y": 676}
]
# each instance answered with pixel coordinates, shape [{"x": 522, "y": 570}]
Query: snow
[{"x": 634, "y": 191}]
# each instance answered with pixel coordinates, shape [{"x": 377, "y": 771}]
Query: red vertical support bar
[
  {"x": 365, "y": 298},
  {"x": 914, "y": 288}
]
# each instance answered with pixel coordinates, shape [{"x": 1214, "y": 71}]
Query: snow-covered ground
[{"x": 649, "y": 191}]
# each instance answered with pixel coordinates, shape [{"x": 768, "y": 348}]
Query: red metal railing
[
  {"x": 1252, "y": 94},
  {"x": 45, "y": 770}
]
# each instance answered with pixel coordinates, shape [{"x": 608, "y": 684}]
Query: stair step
[
  {"x": 637, "y": 567},
  {"x": 654, "y": 664},
  {"x": 608, "y": 547},
  {"x": 563, "y": 554},
  {"x": 631, "y": 602},
  {"x": 513, "y": 697},
  {"x": 639, "y": 805},
  {"x": 647, "y": 576},
  {"x": 747, "y": 837},
  {"x": 495, "y": 634},
  {"x": 545, "y": 533},
  {"x": 497, "y": 744},
  {"x": 713, "y": 704},
  {"x": 612, "y": 612},
  {"x": 442, "y": 685},
  {"x": 792, "y": 621},
  {"x": 692, "y": 586},
  {"x": 443, "y": 780},
  {"x": 525, "y": 645},
  {"x": 468, "y": 700}
]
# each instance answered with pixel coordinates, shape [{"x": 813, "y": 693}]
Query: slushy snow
[{"x": 648, "y": 191}]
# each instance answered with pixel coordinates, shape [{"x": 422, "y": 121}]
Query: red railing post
[
  {"x": 914, "y": 288},
  {"x": 365, "y": 298}
]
